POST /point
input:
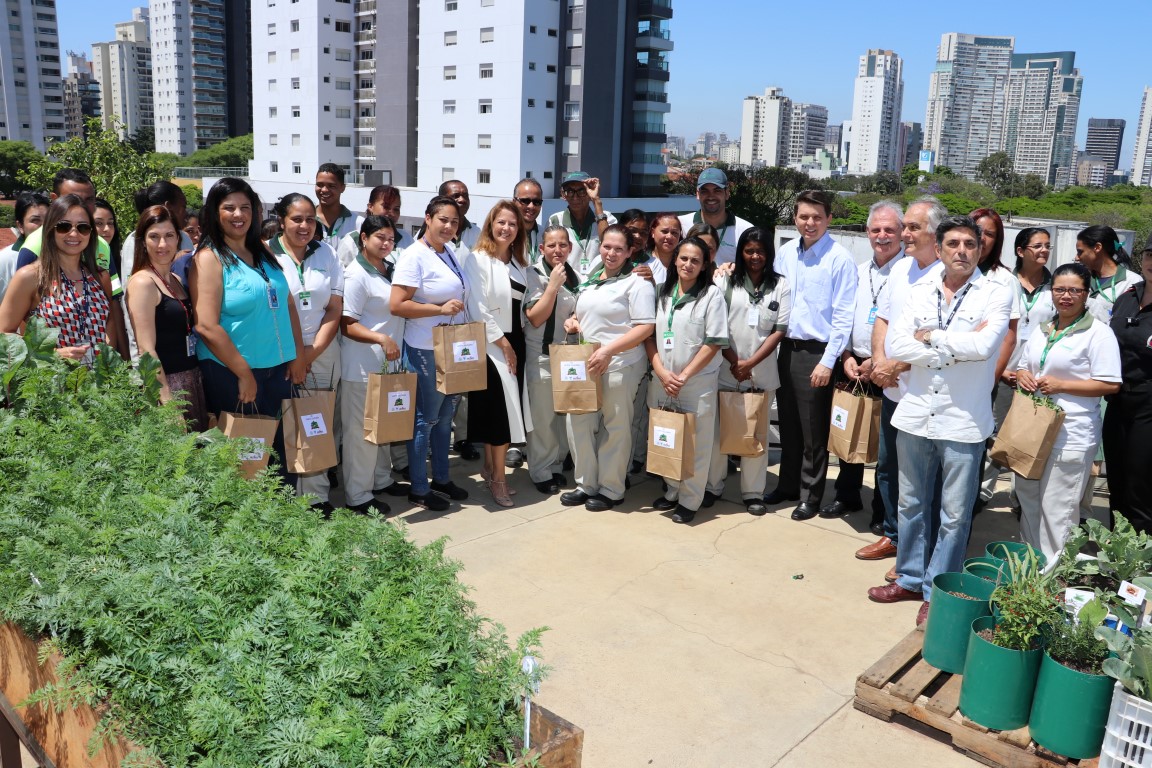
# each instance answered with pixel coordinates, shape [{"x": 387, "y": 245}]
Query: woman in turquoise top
[{"x": 246, "y": 320}]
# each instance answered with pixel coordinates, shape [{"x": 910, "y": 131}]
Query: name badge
[
  {"x": 872, "y": 316},
  {"x": 273, "y": 300},
  {"x": 752, "y": 316},
  {"x": 305, "y": 299},
  {"x": 190, "y": 343},
  {"x": 669, "y": 340},
  {"x": 584, "y": 264}
]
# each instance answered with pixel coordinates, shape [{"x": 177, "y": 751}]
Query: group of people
[{"x": 681, "y": 307}]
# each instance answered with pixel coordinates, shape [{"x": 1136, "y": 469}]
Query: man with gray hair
[
  {"x": 885, "y": 221},
  {"x": 919, "y": 236},
  {"x": 949, "y": 334}
]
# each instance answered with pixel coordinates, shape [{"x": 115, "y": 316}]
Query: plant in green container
[
  {"x": 1121, "y": 553},
  {"x": 1024, "y": 603}
]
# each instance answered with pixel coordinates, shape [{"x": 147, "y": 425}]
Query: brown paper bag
[
  {"x": 258, "y": 432},
  {"x": 461, "y": 353},
  {"x": 855, "y": 433},
  {"x": 390, "y": 408},
  {"x": 573, "y": 389},
  {"x": 671, "y": 443},
  {"x": 1026, "y": 436},
  {"x": 743, "y": 423},
  {"x": 309, "y": 444}
]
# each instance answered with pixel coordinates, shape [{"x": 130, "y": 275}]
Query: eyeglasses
[
  {"x": 575, "y": 192},
  {"x": 64, "y": 227},
  {"x": 1044, "y": 247},
  {"x": 530, "y": 200},
  {"x": 1069, "y": 291}
]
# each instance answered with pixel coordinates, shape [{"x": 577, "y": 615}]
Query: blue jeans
[
  {"x": 433, "y": 422},
  {"x": 921, "y": 458},
  {"x": 887, "y": 474}
]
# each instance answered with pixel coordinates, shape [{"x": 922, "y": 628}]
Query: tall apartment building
[
  {"x": 1041, "y": 112},
  {"x": 1142, "y": 156},
  {"x": 81, "y": 94},
  {"x": 876, "y": 105},
  {"x": 1105, "y": 137},
  {"x": 766, "y": 128},
  {"x": 911, "y": 142},
  {"x": 964, "y": 121},
  {"x": 31, "y": 83},
  {"x": 123, "y": 68},
  {"x": 808, "y": 129},
  {"x": 1092, "y": 171},
  {"x": 202, "y": 92},
  {"x": 496, "y": 89}
]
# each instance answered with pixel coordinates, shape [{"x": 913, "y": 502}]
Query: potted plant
[
  {"x": 1128, "y": 734},
  {"x": 987, "y": 568},
  {"x": 957, "y": 600},
  {"x": 1004, "y": 650},
  {"x": 1118, "y": 554},
  {"x": 1070, "y": 708}
]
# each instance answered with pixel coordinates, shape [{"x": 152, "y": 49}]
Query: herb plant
[
  {"x": 219, "y": 622},
  {"x": 1075, "y": 645},
  {"x": 1132, "y": 665},
  {"x": 1024, "y": 604}
]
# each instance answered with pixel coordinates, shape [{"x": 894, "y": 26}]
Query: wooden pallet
[{"x": 902, "y": 685}]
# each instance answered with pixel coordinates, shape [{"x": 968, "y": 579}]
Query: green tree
[
  {"x": 882, "y": 182},
  {"x": 1033, "y": 186},
  {"x": 232, "y": 153},
  {"x": 143, "y": 140},
  {"x": 763, "y": 196},
  {"x": 194, "y": 195},
  {"x": 996, "y": 171},
  {"x": 116, "y": 168},
  {"x": 14, "y": 156}
]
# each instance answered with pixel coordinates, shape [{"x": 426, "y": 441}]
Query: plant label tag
[
  {"x": 314, "y": 425},
  {"x": 464, "y": 351},
  {"x": 574, "y": 370},
  {"x": 663, "y": 437},
  {"x": 399, "y": 402},
  {"x": 839, "y": 418},
  {"x": 257, "y": 452},
  {"x": 1130, "y": 593},
  {"x": 752, "y": 316},
  {"x": 190, "y": 342},
  {"x": 1076, "y": 599}
]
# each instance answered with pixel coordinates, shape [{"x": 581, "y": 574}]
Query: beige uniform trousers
[
  {"x": 325, "y": 374},
  {"x": 698, "y": 396},
  {"x": 1050, "y": 506},
  {"x": 548, "y": 440},
  {"x": 601, "y": 443},
  {"x": 753, "y": 469},
  {"x": 366, "y": 466}
]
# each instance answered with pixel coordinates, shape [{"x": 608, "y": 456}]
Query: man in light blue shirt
[{"x": 822, "y": 277}]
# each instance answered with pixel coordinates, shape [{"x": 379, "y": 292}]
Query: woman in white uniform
[
  {"x": 383, "y": 200},
  {"x": 551, "y": 299},
  {"x": 372, "y": 339},
  {"x": 617, "y": 311},
  {"x": 692, "y": 327},
  {"x": 1099, "y": 248},
  {"x": 758, "y": 305},
  {"x": 316, "y": 282},
  {"x": 1075, "y": 360}
]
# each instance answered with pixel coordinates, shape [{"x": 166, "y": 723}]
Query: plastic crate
[{"x": 1128, "y": 735}]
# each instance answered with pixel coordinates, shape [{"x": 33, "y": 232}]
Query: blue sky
[{"x": 728, "y": 49}]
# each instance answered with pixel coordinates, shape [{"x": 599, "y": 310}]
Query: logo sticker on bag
[
  {"x": 839, "y": 418},
  {"x": 256, "y": 453},
  {"x": 314, "y": 425},
  {"x": 398, "y": 402},
  {"x": 464, "y": 351},
  {"x": 574, "y": 370},
  {"x": 664, "y": 438}
]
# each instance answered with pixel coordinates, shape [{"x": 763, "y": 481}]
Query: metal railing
[{"x": 183, "y": 172}]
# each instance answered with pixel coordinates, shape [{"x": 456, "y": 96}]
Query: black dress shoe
[
  {"x": 431, "y": 501},
  {"x": 777, "y": 496},
  {"x": 663, "y": 504},
  {"x": 559, "y": 479},
  {"x": 838, "y": 509},
  {"x": 514, "y": 459},
  {"x": 709, "y": 499},
  {"x": 599, "y": 503},
  {"x": 451, "y": 490},
  {"x": 805, "y": 511},
  {"x": 876, "y": 528},
  {"x": 466, "y": 450},
  {"x": 756, "y": 507},
  {"x": 574, "y": 498},
  {"x": 683, "y": 514},
  {"x": 395, "y": 489},
  {"x": 547, "y": 487},
  {"x": 370, "y": 506}
]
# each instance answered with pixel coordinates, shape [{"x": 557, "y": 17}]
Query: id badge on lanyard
[
  {"x": 305, "y": 299},
  {"x": 669, "y": 341}
]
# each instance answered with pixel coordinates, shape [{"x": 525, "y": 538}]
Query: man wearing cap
[
  {"x": 712, "y": 192},
  {"x": 584, "y": 218},
  {"x": 529, "y": 197}
]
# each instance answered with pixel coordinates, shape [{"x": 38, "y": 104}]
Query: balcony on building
[
  {"x": 366, "y": 65},
  {"x": 364, "y": 7},
  {"x": 650, "y": 133},
  {"x": 365, "y": 94},
  {"x": 365, "y": 36},
  {"x": 653, "y": 38},
  {"x": 654, "y": 9},
  {"x": 651, "y": 68},
  {"x": 651, "y": 101},
  {"x": 366, "y": 123}
]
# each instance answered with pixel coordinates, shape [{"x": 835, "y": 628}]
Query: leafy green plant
[
  {"x": 1024, "y": 604},
  {"x": 216, "y": 621},
  {"x": 1075, "y": 645},
  {"x": 1123, "y": 554},
  {"x": 1132, "y": 665}
]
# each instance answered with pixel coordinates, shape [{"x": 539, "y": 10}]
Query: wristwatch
[{"x": 602, "y": 217}]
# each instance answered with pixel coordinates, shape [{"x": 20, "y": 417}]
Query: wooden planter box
[{"x": 61, "y": 739}]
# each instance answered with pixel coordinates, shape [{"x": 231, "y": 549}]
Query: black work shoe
[
  {"x": 756, "y": 507},
  {"x": 466, "y": 450},
  {"x": 433, "y": 502},
  {"x": 663, "y": 504},
  {"x": 451, "y": 490},
  {"x": 547, "y": 487},
  {"x": 574, "y": 498},
  {"x": 709, "y": 499},
  {"x": 805, "y": 511},
  {"x": 371, "y": 506},
  {"x": 395, "y": 489},
  {"x": 877, "y": 528},
  {"x": 514, "y": 459},
  {"x": 838, "y": 509},
  {"x": 599, "y": 503},
  {"x": 776, "y": 496},
  {"x": 683, "y": 514},
  {"x": 559, "y": 479}
]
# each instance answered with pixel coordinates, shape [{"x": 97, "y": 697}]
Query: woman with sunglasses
[
  {"x": 65, "y": 287},
  {"x": 1075, "y": 360}
]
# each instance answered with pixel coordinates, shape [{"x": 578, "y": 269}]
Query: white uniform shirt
[
  {"x": 1004, "y": 276},
  {"x": 948, "y": 386},
  {"x": 608, "y": 310},
  {"x": 319, "y": 275},
  {"x": 7, "y": 268},
  {"x": 585, "y": 255},
  {"x": 693, "y": 320},
  {"x": 872, "y": 280},
  {"x": 905, "y": 274},
  {"x": 536, "y": 338},
  {"x": 346, "y": 223},
  {"x": 366, "y": 296},
  {"x": 1103, "y": 296},
  {"x": 729, "y": 234},
  {"x": 1089, "y": 352},
  {"x": 1035, "y": 310},
  {"x": 350, "y": 246},
  {"x": 750, "y": 322},
  {"x": 436, "y": 283}
]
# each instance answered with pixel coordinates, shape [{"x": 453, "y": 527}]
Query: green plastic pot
[
  {"x": 998, "y": 683},
  {"x": 950, "y": 618},
  {"x": 1070, "y": 710},
  {"x": 998, "y": 550},
  {"x": 987, "y": 568}
]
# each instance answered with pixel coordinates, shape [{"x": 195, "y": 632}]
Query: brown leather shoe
[
  {"x": 891, "y": 576},
  {"x": 877, "y": 551},
  {"x": 922, "y": 614},
  {"x": 892, "y": 593}
]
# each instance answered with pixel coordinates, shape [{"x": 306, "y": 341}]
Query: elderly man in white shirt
[{"x": 950, "y": 334}]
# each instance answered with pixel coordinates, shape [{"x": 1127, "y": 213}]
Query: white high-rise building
[
  {"x": 81, "y": 94},
  {"x": 808, "y": 129},
  {"x": 123, "y": 67},
  {"x": 964, "y": 121},
  {"x": 1142, "y": 157},
  {"x": 1041, "y": 113},
  {"x": 765, "y": 129},
  {"x": 31, "y": 83},
  {"x": 876, "y": 105}
]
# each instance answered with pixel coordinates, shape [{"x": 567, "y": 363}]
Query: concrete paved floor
[{"x": 699, "y": 645}]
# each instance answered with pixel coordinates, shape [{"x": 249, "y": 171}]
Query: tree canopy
[
  {"x": 232, "y": 153},
  {"x": 15, "y": 156}
]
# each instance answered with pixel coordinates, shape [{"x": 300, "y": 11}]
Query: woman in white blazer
[{"x": 497, "y": 270}]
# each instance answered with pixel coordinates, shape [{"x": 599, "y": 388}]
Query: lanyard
[
  {"x": 84, "y": 304},
  {"x": 678, "y": 301},
  {"x": 185, "y": 304},
  {"x": 1055, "y": 337},
  {"x": 871, "y": 289},
  {"x": 1098, "y": 287},
  {"x": 956, "y": 302},
  {"x": 1031, "y": 299},
  {"x": 334, "y": 230},
  {"x": 533, "y": 245},
  {"x": 448, "y": 259}
]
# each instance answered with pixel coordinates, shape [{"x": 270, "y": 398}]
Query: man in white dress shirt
[{"x": 950, "y": 333}]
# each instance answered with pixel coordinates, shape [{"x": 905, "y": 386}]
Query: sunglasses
[
  {"x": 64, "y": 227},
  {"x": 530, "y": 200}
]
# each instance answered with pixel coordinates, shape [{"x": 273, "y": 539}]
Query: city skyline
[{"x": 710, "y": 81}]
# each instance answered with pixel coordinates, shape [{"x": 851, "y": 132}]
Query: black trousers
[
  {"x": 805, "y": 414},
  {"x": 1128, "y": 453}
]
